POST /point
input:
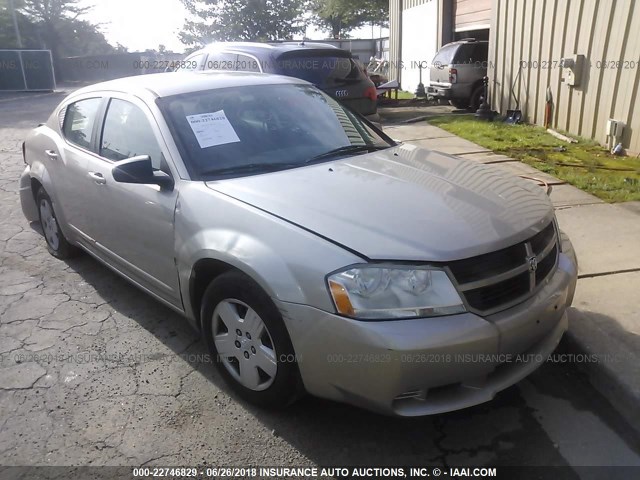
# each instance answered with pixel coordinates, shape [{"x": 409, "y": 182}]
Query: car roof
[
  {"x": 269, "y": 48},
  {"x": 466, "y": 40},
  {"x": 175, "y": 83}
]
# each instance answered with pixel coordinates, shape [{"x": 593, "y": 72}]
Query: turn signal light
[
  {"x": 453, "y": 75},
  {"x": 341, "y": 299}
]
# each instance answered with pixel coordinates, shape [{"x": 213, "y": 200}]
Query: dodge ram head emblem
[{"x": 533, "y": 264}]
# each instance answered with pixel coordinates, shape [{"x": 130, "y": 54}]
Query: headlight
[{"x": 389, "y": 291}]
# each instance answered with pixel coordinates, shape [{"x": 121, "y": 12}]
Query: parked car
[
  {"x": 329, "y": 68},
  {"x": 312, "y": 252},
  {"x": 457, "y": 71}
]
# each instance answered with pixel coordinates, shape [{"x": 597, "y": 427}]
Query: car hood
[{"x": 402, "y": 203}]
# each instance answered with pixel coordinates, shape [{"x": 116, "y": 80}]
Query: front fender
[
  {"x": 245, "y": 253},
  {"x": 289, "y": 263}
]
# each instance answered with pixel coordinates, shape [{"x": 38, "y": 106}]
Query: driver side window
[{"x": 127, "y": 133}]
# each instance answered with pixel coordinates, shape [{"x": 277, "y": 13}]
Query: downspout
[{"x": 399, "y": 59}]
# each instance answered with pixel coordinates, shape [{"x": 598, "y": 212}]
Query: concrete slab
[
  {"x": 395, "y": 115},
  {"x": 416, "y": 132},
  {"x": 564, "y": 196},
  {"x": 617, "y": 296},
  {"x": 605, "y": 325},
  {"x": 631, "y": 206},
  {"x": 519, "y": 168},
  {"x": 606, "y": 237},
  {"x": 452, "y": 145}
]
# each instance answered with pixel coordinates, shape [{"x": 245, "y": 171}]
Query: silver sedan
[{"x": 312, "y": 252}]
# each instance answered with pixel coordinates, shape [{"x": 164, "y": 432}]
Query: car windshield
[
  {"x": 261, "y": 128},
  {"x": 321, "y": 70}
]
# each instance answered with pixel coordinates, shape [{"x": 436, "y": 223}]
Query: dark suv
[
  {"x": 457, "y": 71},
  {"x": 331, "y": 69}
]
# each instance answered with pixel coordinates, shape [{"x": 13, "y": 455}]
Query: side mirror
[{"x": 139, "y": 170}]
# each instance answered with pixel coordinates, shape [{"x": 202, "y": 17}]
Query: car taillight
[
  {"x": 453, "y": 75},
  {"x": 371, "y": 93}
]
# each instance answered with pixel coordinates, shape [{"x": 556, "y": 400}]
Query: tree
[
  {"x": 254, "y": 20},
  {"x": 79, "y": 37},
  {"x": 339, "y": 17},
  {"x": 59, "y": 28},
  {"x": 28, "y": 31}
]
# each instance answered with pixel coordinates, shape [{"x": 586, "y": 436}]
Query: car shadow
[{"x": 501, "y": 432}]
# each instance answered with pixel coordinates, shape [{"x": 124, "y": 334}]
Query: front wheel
[
  {"x": 57, "y": 244},
  {"x": 248, "y": 341}
]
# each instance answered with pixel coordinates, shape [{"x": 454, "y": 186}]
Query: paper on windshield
[{"x": 212, "y": 129}]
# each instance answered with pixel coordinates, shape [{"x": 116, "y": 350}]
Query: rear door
[
  {"x": 334, "y": 72},
  {"x": 69, "y": 165}
]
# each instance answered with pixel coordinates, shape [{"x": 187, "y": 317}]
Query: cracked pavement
[{"x": 95, "y": 372}]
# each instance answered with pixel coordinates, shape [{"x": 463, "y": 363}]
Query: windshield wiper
[
  {"x": 250, "y": 168},
  {"x": 345, "y": 150}
]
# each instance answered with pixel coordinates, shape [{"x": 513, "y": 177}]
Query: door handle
[
  {"x": 98, "y": 178},
  {"x": 51, "y": 154}
]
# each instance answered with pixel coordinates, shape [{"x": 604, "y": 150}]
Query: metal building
[
  {"x": 418, "y": 28},
  {"x": 583, "y": 56}
]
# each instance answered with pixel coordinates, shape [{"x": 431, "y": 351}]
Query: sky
[{"x": 145, "y": 24}]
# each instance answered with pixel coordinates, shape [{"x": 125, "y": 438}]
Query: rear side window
[
  {"x": 127, "y": 133},
  {"x": 221, "y": 61},
  {"x": 191, "y": 63},
  {"x": 464, "y": 55},
  {"x": 245, "y": 63},
  {"x": 79, "y": 121},
  {"x": 481, "y": 53},
  {"x": 471, "y": 53},
  {"x": 321, "y": 70}
]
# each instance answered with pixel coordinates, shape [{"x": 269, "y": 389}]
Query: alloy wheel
[
  {"x": 49, "y": 224},
  {"x": 244, "y": 344}
]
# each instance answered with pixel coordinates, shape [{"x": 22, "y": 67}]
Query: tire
[
  {"x": 249, "y": 342},
  {"x": 461, "y": 104},
  {"x": 475, "y": 98},
  {"x": 57, "y": 244}
]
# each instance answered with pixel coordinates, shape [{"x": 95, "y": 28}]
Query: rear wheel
[
  {"x": 461, "y": 104},
  {"x": 248, "y": 341},
  {"x": 57, "y": 244},
  {"x": 476, "y": 96}
]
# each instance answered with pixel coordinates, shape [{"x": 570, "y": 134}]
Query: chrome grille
[{"x": 498, "y": 280}]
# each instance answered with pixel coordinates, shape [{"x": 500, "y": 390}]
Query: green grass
[
  {"x": 585, "y": 164},
  {"x": 403, "y": 95}
]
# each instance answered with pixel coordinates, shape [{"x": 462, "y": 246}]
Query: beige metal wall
[
  {"x": 528, "y": 39},
  {"x": 472, "y": 14},
  {"x": 395, "y": 38}
]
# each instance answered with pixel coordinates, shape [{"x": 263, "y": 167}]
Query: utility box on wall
[{"x": 572, "y": 69}]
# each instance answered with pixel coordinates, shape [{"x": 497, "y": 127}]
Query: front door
[{"x": 133, "y": 226}]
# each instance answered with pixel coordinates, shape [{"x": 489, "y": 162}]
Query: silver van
[{"x": 457, "y": 71}]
